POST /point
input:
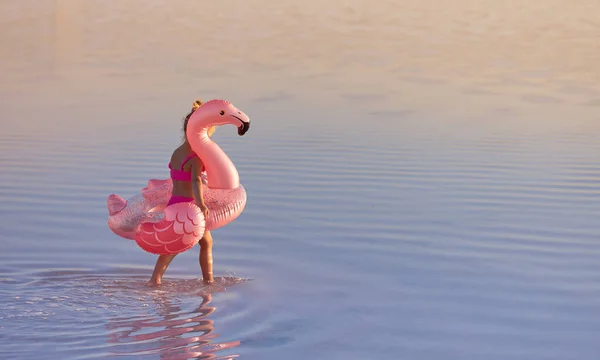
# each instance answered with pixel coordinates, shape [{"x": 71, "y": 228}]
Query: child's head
[{"x": 195, "y": 106}]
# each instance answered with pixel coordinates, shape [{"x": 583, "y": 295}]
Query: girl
[{"x": 186, "y": 168}]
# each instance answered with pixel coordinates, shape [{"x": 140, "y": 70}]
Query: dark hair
[
  {"x": 195, "y": 106},
  {"x": 186, "y": 119}
]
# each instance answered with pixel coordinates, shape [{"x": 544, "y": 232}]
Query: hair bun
[{"x": 196, "y": 104}]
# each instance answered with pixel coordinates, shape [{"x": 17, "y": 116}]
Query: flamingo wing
[{"x": 181, "y": 228}]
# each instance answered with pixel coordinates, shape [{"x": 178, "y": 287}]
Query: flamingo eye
[{"x": 222, "y": 112}]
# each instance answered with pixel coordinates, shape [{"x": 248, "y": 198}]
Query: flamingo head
[{"x": 217, "y": 113}]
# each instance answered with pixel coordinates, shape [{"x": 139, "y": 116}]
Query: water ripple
[{"x": 78, "y": 308}]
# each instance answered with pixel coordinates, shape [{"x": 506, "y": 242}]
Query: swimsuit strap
[{"x": 186, "y": 160}]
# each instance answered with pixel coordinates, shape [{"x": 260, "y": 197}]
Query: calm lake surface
[{"x": 423, "y": 178}]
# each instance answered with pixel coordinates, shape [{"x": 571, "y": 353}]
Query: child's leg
[
  {"x": 162, "y": 263},
  {"x": 206, "y": 261}
]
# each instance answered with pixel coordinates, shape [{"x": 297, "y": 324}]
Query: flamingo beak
[{"x": 243, "y": 128}]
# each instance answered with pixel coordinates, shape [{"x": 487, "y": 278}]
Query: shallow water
[{"x": 423, "y": 178}]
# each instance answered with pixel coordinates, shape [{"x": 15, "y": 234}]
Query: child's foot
[{"x": 153, "y": 283}]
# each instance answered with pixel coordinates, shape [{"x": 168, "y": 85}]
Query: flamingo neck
[{"x": 220, "y": 170}]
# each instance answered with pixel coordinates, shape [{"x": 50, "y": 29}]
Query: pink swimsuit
[{"x": 180, "y": 175}]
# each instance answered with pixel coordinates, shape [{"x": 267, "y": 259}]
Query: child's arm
[{"x": 197, "y": 185}]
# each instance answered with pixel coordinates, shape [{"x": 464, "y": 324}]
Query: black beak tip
[{"x": 244, "y": 128}]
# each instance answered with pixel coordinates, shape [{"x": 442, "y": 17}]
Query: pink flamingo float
[{"x": 161, "y": 229}]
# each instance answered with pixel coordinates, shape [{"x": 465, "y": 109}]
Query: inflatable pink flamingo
[{"x": 161, "y": 229}]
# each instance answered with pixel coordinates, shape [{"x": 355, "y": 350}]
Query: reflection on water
[
  {"x": 174, "y": 322},
  {"x": 172, "y": 332}
]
